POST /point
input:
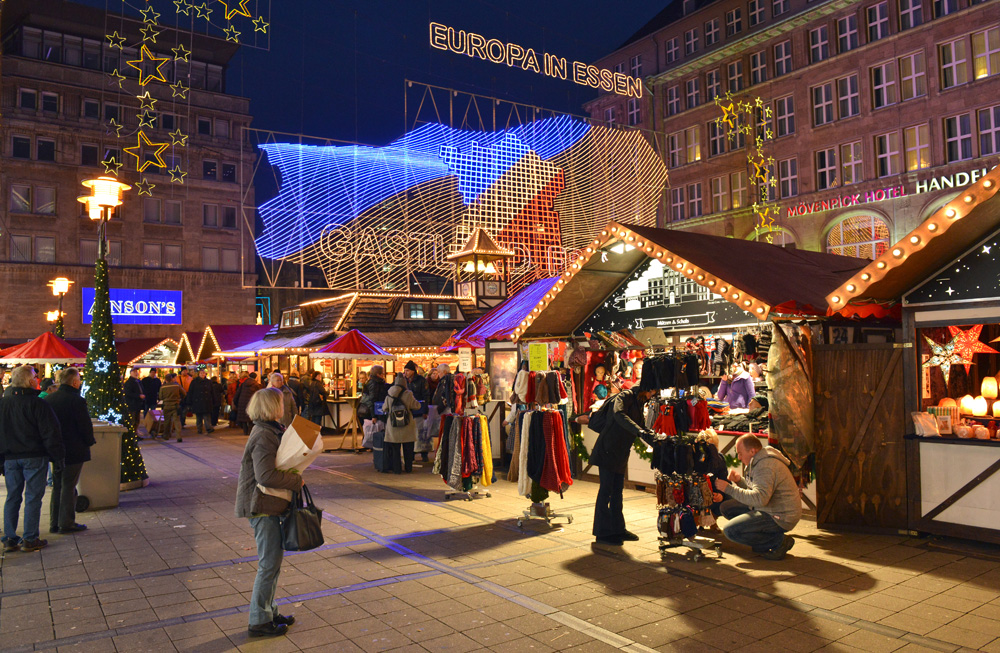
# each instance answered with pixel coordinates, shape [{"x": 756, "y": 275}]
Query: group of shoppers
[{"x": 35, "y": 433}]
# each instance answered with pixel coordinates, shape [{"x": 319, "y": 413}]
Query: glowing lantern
[
  {"x": 948, "y": 402},
  {"x": 989, "y": 388},
  {"x": 979, "y": 406},
  {"x": 965, "y": 404}
]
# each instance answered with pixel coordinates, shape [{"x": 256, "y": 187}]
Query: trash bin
[{"x": 100, "y": 479}]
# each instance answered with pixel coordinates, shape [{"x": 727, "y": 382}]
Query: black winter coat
[
  {"x": 243, "y": 394},
  {"x": 133, "y": 396},
  {"x": 614, "y": 444},
  {"x": 418, "y": 386},
  {"x": 217, "y": 392},
  {"x": 444, "y": 394},
  {"x": 296, "y": 387},
  {"x": 151, "y": 388},
  {"x": 199, "y": 396},
  {"x": 28, "y": 427},
  {"x": 74, "y": 422}
]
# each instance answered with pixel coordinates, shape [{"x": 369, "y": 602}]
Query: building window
[
  {"x": 691, "y": 41},
  {"x": 673, "y": 50},
  {"x": 784, "y": 116},
  {"x": 738, "y": 186},
  {"x": 758, "y": 67},
  {"x": 778, "y": 7},
  {"x": 822, "y": 97},
  {"x": 110, "y": 111},
  {"x": 887, "y": 154},
  {"x": 694, "y": 200},
  {"x": 952, "y": 56},
  {"x": 788, "y": 177},
  {"x": 446, "y": 312},
  {"x": 674, "y": 150},
  {"x": 720, "y": 194},
  {"x": 712, "y": 32},
  {"x": 850, "y": 163},
  {"x": 88, "y": 252},
  {"x": 230, "y": 260},
  {"x": 209, "y": 170},
  {"x": 917, "y": 146},
  {"x": 209, "y": 258},
  {"x": 415, "y": 311},
  {"x": 634, "y": 117},
  {"x": 756, "y": 12},
  {"x": 847, "y": 33},
  {"x": 91, "y": 109},
  {"x": 716, "y": 139},
  {"x": 46, "y": 149},
  {"x": 693, "y": 93},
  {"x": 958, "y": 137},
  {"x": 782, "y": 58},
  {"x": 635, "y": 65},
  {"x": 50, "y": 102},
  {"x": 210, "y": 215},
  {"x": 878, "y": 21},
  {"x": 151, "y": 255},
  {"x": 45, "y": 200},
  {"x": 292, "y": 318},
  {"x": 204, "y": 126},
  {"x": 167, "y": 122},
  {"x": 912, "y": 78},
  {"x": 883, "y": 79},
  {"x": 738, "y": 137},
  {"x": 945, "y": 7},
  {"x": 861, "y": 236},
  {"x": 228, "y": 217},
  {"x": 911, "y": 13},
  {"x": 986, "y": 53},
  {"x": 112, "y": 153},
  {"x": 676, "y": 204},
  {"x": 27, "y": 99},
  {"x": 819, "y": 44},
  {"x": 826, "y": 168},
  {"x": 20, "y": 198},
  {"x": 735, "y": 70},
  {"x": 90, "y": 155},
  {"x": 848, "y": 97},
  {"x": 609, "y": 116},
  {"x": 20, "y": 248},
  {"x": 620, "y": 67},
  {"x": 713, "y": 87},
  {"x": 45, "y": 249},
  {"x": 692, "y": 141},
  {"x": 150, "y": 209},
  {"x": 734, "y": 22},
  {"x": 673, "y": 100},
  {"x": 221, "y": 128},
  {"x": 21, "y": 147},
  {"x": 172, "y": 257},
  {"x": 989, "y": 131},
  {"x": 172, "y": 212}
]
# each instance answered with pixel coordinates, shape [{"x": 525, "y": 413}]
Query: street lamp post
[
  {"x": 60, "y": 286},
  {"x": 105, "y": 195}
]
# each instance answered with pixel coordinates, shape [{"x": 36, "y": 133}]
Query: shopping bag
[
  {"x": 300, "y": 445},
  {"x": 302, "y": 523}
]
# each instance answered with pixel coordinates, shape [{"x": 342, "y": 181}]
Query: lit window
[
  {"x": 912, "y": 77},
  {"x": 826, "y": 168},
  {"x": 860, "y": 236},
  {"x": 911, "y": 13},
  {"x": 916, "y": 143},
  {"x": 738, "y": 186},
  {"x": 446, "y": 312},
  {"x": 952, "y": 56},
  {"x": 878, "y": 21},
  {"x": 45, "y": 249},
  {"x": 989, "y": 131},
  {"x": 172, "y": 257},
  {"x": 415, "y": 311},
  {"x": 819, "y": 44},
  {"x": 958, "y": 137},
  {"x": 883, "y": 79},
  {"x": 887, "y": 154},
  {"x": 151, "y": 255},
  {"x": 986, "y": 53},
  {"x": 848, "y": 97},
  {"x": 822, "y": 97},
  {"x": 850, "y": 163},
  {"x": 847, "y": 33},
  {"x": 692, "y": 141},
  {"x": 784, "y": 114}
]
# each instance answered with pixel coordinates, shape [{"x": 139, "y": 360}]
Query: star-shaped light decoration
[
  {"x": 146, "y": 102},
  {"x": 149, "y": 15},
  {"x": 112, "y": 416},
  {"x": 232, "y": 34},
  {"x": 967, "y": 343},
  {"x": 115, "y": 76},
  {"x": 144, "y": 56},
  {"x": 181, "y": 53},
  {"x": 204, "y": 11},
  {"x": 112, "y": 166},
  {"x": 102, "y": 365},
  {"x": 144, "y": 187},
  {"x": 183, "y": 7},
  {"x": 260, "y": 25},
  {"x": 137, "y": 151},
  {"x": 177, "y": 175},
  {"x": 179, "y": 139},
  {"x": 178, "y": 89},
  {"x": 146, "y": 119},
  {"x": 946, "y": 355},
  {"x": 238, "y": 7},
  {"x": 116, "y": 40},
  {"x": 116, "y": 127},
  {"x": 149, "y": 33}
]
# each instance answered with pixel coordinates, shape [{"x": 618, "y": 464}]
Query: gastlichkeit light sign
[
  {"x": 134, "y": 306},
  {"x": 470, "y": 44}
]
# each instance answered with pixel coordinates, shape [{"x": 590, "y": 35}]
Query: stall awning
[
  {"x": 46, "y": 348},
  {"x": 950, "y": 231},
  {"x": 759, "y": 278},
  {"x": 229, "y": 337},
  {"x": 499, "y": 323},
  {"x": 274, "y": 345},
  {"x": 353, "y": 345}
]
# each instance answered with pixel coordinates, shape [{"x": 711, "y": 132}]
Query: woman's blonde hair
[{"x": 266, "y": 405}]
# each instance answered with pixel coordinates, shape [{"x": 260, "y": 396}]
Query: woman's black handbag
[{"x": 302, "y": 524}]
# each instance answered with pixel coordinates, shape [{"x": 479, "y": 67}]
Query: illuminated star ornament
[
  {"x": 178, "y": 138},
  {"x": 183, "y": 7},
  {"x": 149, "y": 33},
  {"x": 149, "y": 15},
  {"x": 111, "y": 167},
  {"x": 137, "y": 151},
  {"x": 146, "y": 102},
  {"x": 102, "y": 365},
  {"x": 178, "y": 88},
  {"x": 237, "y": 7},
  {"x": 145, "y": 187},
  {"x": 260, "y": 25},
  {"x": 967, "y": 344},
  {"x": 112, "y": 415},
  {"x": 204, "y": 11},
  {"x": 181, "y": 53},
  {"x": 115, "y": 76},
  {"x": 146, "y": 56},
  {"x": 146, "y": 119},
  {"x": 232, "y": 34},
  {"x": 114, "y": 126},
  {"x": 958, "y": 351},
  {"x": 116, "y": 40},
  {"x": 177, "y": 175}
]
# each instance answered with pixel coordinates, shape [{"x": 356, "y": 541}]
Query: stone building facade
[
  {"x": 881, "y": 111},
  {"x": 57, "y": 102}
]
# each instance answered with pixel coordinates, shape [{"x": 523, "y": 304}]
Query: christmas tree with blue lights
[{"x": 102, "y": 379}]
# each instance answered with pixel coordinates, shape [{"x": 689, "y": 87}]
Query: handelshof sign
[
  {"x": 475, "y": 45},
  {"x": 134, "y": 306}
]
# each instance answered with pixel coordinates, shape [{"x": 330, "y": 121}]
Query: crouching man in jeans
[{"x": 765, "y": 504}]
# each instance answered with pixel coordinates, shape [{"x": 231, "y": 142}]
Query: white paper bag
[{"x": 300, "y": 445}]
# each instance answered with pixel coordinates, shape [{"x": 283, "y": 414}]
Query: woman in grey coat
[
  {"x": 399, "y": 437},
  {"x": 264, "y": 510}
]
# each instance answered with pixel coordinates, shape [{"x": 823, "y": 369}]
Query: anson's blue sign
[{"x": 133, "y": 306}]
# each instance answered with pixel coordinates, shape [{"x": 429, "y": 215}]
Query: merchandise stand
[
  {"x": 671, "y": 512},
  {"x": 475, "y": 427},
  {"x": 475, "y": 493},
  {"x": 544, "y": 511}
]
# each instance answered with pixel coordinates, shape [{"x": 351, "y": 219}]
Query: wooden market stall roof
[
  {"x": 947, "y": 233},
  {"x": 229, "y": 337},
  {"x": 499, "y": 323},
  {"x": 132, "y": 350},
  {"x": 760, "y": 278},
  {"x": 189, "y": 345}
]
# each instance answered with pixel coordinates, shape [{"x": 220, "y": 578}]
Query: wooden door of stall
[{"x": 860, "y": 423}]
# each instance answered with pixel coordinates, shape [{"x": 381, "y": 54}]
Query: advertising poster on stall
[
  {"x": 538, "y": 357},
  {"x": 465, "y": 359}
]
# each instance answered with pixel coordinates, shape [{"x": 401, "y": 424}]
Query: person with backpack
[{"x": 400, "y": 427}]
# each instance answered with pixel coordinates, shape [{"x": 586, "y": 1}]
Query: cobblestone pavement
[{"x": 404, "y": 570}]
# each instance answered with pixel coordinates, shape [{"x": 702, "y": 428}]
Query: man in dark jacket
[
  {"x": 316, "y": 395},
  {"x": 151, "y": 388},
  {"x": 199, "y": 398},
  {"x": 243, "y": 395},
  {"x": 135, "y": 397},
  {"x": 78, "y": 437},
  {"x": 29, "y": 440},
  {"x": 417, "y": 385},
  {"x": 296, "y": 387},
  {"x": 610, "y": 454},
  {"x": 218, "y": 393}
]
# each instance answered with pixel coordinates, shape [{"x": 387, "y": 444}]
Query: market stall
[
  {"x": 944, "y": 370},
  {"x": 47, "y": 349}
]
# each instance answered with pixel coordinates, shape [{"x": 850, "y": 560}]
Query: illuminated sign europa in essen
[
  {"x": 471, "y": 44},
  {"x": 134, "y": 306}
]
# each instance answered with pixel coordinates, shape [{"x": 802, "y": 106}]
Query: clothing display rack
[
  {"x": 683, "y": 502},
  {"x": 464, "y": 456}
]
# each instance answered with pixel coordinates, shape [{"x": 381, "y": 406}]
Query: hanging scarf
[{"x": 459, "y": 385}]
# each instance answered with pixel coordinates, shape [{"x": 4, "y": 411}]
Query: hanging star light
[
  {"x": 239, "y": 8},
  {"x": 116, "y": 127},
  {"x": 181, "y": 53},
  {"x": 146, "y": 119},
  {"x": 146, "y": 102},
  {"x": 944, "y": 356},
  {"x": 149, "y": 15},
  {"x": 178, "y": 88},
  {"x": 112, "y": 166},
  {"x": 232, "y": 34},
  {"x": 102, "y": 365},
  {"x": 178, "y": 138},
  {"x": 146, "y": 56},
  {"x": 177, "y": 175},
  {"x": 967, "y": 343},
  {"x": 116, "y": 40},
  {"x": 183, "y": 7},
  {"x": 112, "y": 416},
  {"x": 116, "y": 76},
  {"x": 149, "y": 33},
  {"x": 137, "y": 151},
  {"x": 260, "y": 25},
  {"x": 145, "y": 187},
  {"x": 204, "y": 11}
]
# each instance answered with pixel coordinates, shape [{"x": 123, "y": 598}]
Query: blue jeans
[
  {"x": 24, "y": 476},
  {"x": 755, "y": 528},
  {"x": 267, "y": 531}
]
